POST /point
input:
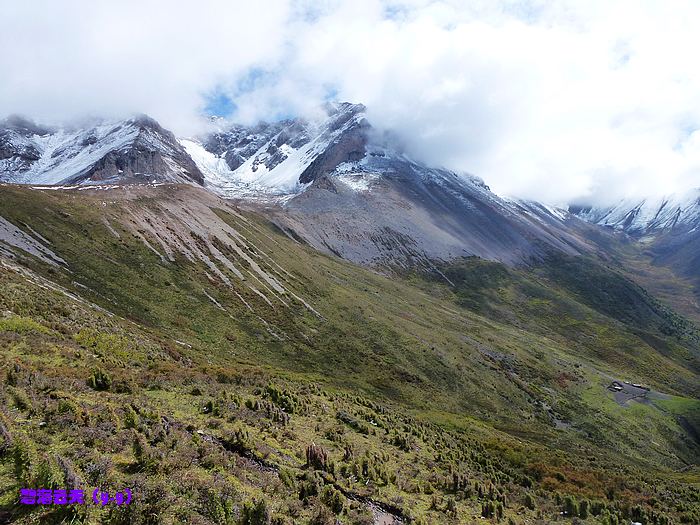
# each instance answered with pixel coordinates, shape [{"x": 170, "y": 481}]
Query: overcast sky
[{"x": 558, "y": 101}]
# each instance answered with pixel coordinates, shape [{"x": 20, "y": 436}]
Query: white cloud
[
  {"x": 555, "y": 101},
  {"x": 62, "y": 59}
]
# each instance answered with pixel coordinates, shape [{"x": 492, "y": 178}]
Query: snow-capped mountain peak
[
  {"x": 279, "y": 158},
  {"x": 679, "y": 211},
  {"x": 137, "y": 149}
]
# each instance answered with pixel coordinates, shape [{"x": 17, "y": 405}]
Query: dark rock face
[
  {"x": 350, "y": 147},
  {"x": 26, "y": 153},
  {"x": 238, "y": 143},
  {"x": 16, "y": 146},
  {"x": 155, "y": 154},
  {"x": 136, "y": 164}
]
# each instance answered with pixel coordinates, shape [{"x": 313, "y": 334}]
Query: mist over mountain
[{"x": 554, "y": 103}]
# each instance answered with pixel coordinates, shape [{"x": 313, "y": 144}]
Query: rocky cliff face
[{"x": 18, "y": 150}]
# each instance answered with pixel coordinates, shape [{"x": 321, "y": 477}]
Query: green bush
[
  {"x": 24, "y": 458},
  {"x": 131, "y": 418},
  {"x": 21, "y": 325},
  {"x": 570, "y": 506},
  {"x": 147, "y": 458},
  {"x": 255, "y": 513},
  {"x": 583, "y": 509},
  {"x": 20, "y": 398},
  {"x": 333, "y": 499},
  {"x": 99, "y": 380},
  {"x": 529, "y": 501},
  {"x": 101, "y": 343}
]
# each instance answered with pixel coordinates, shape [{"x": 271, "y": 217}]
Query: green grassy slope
[{"x": 420, "y": 393}]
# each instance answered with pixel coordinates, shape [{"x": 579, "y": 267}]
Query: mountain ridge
[
  {"x": 647, "y": 216},
  {"x": 313, "y": 176}
]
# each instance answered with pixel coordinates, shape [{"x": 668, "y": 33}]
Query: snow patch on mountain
[
  {"x": 273, "y": 159},
  {"x": 647, "y": 216},
  {"x": 358, "y": 181}
]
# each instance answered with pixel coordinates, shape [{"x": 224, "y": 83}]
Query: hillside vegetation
[{"x": 162, "y": 339}]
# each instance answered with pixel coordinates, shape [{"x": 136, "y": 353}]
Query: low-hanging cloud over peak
[{"x": 582, "y": 101}]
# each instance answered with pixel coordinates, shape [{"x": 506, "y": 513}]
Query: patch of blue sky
[
  {"x": 222, "y": 102},
  {"x": 218, "y": 104}
]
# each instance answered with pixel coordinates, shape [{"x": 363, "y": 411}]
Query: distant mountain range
[
  {"x": 651, "y": 216},
  {"x": 668, "y": 228}
]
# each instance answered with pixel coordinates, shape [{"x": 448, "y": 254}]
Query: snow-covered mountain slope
[
  {"x": 647, "y": 216},
  {"x": 134, "y": 150},
  {"x": 280, "y": 158}
]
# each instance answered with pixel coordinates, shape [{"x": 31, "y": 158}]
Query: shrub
[
  {"x": 255, "y": 513},
  {"x": 218, "y": 507},
  {"x": 309, "y": 485},
  {"x": 131, "y": 418},
  {"x": 24, "y": 459},
  {"x": 488, "y": 509},
  {"x": 21, "y": 325},
  {"x": 238, "y": 441},
  {"x": 570, "y": 506},
  {"x": 99, "y": 380},
  {"x": 48, "y": 474},
  {"x": 287, "y": 477},
  {"x": 451, "y": 507},
  {"x": 583, "y": 509},
  {"x": 322, "y": 516},
  {"x": 20, "y": 398},
  {"x": 529, "y": 501},
  {"x": 101, "y": 343},
  {"x": 283, "y": 399},
  {"x": 333, "y": 499},
  {"x": 316, "y": 457},
  {"x": 5, "y": 439},
  {"x": 147, "y": 457}
]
